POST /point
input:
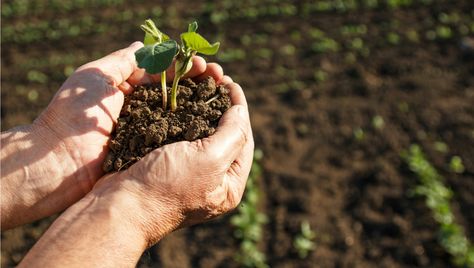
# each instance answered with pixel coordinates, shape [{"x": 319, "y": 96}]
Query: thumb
[
  {"x": 117, "y": 66},
  {"x": 231, "y": 135}
]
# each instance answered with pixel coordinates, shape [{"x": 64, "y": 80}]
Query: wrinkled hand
[
  {"x": 186, "y": 183},
  {"x": 80, "y": 118}
]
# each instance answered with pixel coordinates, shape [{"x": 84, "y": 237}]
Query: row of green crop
[
  {"x": 44, "y": 30},
  {"x": 249, "y": 221},
  {"x": 451, "y": 235},
  {"x": 228, "y": 9},
  {"x": 348, "y": 5},
  {"x": 22, "y": 8},
  {"x": 47, "y": 30}
]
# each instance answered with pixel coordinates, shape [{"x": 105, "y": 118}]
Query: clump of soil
[{"x": 143, "y": 125}]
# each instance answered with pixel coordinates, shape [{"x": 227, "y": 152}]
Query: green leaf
[
  {"x": 164, "y": 37},
  {"x": 195, "y": 41},
  {"x": 149, "y": 31},
  {"x": 149, "y": 39},
  {"x": 152, "y": 34},
  {"x": 151, "y": 25},
  {"x": 192, "y": 27},
  {"x": 156, "y": 58}
]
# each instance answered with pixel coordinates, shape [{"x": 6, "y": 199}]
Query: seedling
[
  {"x": 378, "y": 122},
  {"x": 359, "y": 134},
  {"x": 451, "y": 235},
  {"x": 159, "y": 52},
  {"x": 303, "y": 242},
  {"x": 441, "y": 147},
  {"x": 249, "y": 221},
  {"x": 456, "y": 165}
]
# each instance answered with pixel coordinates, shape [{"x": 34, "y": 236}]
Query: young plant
[
  {"x": 303, "y": 242},
  {"x": 157, "y": 54},
  {"x": 159, "y": 51},
  {"x": 191, "y": 44},
  {"x": 249, "y": 221},
  {"x": 451, "y": 235},
  {"x": 456, "y": 165}
]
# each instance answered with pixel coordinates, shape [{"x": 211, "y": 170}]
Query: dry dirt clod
[
  {"x": 207, "y": 88},
  {"x": 196, "y": 130}
]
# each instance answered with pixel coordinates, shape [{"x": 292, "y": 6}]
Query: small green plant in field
[
  {"x": 359, "y": 134},
  {"x": 304, "y": 241},
  {"x": 320, "y": 76},
  {"x": 37, "y": 76},
  {"x": 451, "y": 235},
  {"x": 248, "y": 221},
  {"x": 158, "y": 54},
  {"x": 378, "y": 122},
  {"x": 393, "y": 38},
  {"x": 456, "y": 165},
  {"x": 444, "y": 32},
  {"x": 413, "y": 36},
  {"x": 441, "y": 147}
]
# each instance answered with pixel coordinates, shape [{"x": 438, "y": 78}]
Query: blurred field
[{"x": 337, "y": 90}]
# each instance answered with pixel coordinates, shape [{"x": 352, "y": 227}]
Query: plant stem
[
  {"x": 174, "y": 91},
  {"x": 164, "y": 91}
]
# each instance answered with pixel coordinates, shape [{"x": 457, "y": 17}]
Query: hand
[
  {"x": 189, "y": 182},
  {"x": 57, "y": 160},
  {"x": 82, "y": 113}
]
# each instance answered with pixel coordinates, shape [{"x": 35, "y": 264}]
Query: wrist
[
  {"x": 30, "y": 172},
  {"x": 77, "y": 237},
  {"x": 39, "y": 178},
  {"x": 151, "y": 217}
]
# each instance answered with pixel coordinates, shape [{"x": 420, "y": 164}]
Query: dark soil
[{"x": 143, "y": 125}]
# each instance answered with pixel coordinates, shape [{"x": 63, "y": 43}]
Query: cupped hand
[
  {"x": 186, "y": 183},
  {"x": 81, "y": 116}
]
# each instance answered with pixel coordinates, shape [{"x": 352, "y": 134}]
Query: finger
[
  {"x": 117, "y": 66},
  {"x": 236, "y": 93},
  {"x": 126, "y": 88},
  {"x": 140, "y": 77},
  {"x": 226, "y": 80},
  {"x": 214, "y": 70},
  {"x": 231, "y": 135},
  {"x": 199, "y": 66}
]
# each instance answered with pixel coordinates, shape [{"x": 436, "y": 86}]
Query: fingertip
[
  {"x": 134, "y": 46},
  {"x": 126, "y": 88},
  {"x": 231, "y": 133},
  {"x": 237, "y": 96},
  {"x": 226, "y": 80},
  {"x": 199, "y": 67},
  {"x": 214, "y": 70}
]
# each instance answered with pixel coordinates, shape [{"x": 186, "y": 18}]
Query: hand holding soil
[
  {"x": 69, "y": 139},
  {"x": 185, "y": 183},
  {"x": 176, "y": 185}
]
